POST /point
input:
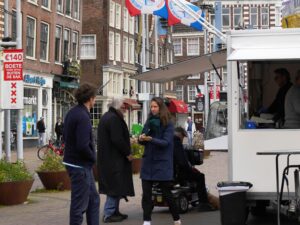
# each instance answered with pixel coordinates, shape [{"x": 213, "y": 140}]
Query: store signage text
[
  {"x": 34, "y": 80},
  {"x": 11, "y": 80},
  {"x": 30, "y": 100}
]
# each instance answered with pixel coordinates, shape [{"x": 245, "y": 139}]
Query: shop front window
[
  {"x": 96, "y": 113},
  {"x": 30, "y": 111}
]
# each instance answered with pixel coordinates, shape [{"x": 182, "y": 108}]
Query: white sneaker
[
  {"x": 147, "y": 223},
  {"x": 178, "y": 222}
]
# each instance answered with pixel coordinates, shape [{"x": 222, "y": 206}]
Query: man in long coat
[{"x": 114, "y": 161}]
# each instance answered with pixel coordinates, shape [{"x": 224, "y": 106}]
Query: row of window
[
  {"x": 258, "y": 16},
  {"x": 192, "y": 46},
  {"x": 63, "y": 38},
  {"x": 115, "y": 47},
  {"x": 70, "y": 8},
  {"x": 192, "y": 92},
  {"x": 116, "y": 16}
]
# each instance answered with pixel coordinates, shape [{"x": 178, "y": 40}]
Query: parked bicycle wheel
[{"x": 42, "y": 152}]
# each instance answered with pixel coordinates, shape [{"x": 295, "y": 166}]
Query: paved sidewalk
[{"x": 52, "y": 208}]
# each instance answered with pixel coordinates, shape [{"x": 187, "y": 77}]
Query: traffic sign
[{"x": 11, "y": 71}]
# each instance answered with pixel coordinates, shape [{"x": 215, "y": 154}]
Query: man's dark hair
[
  {"x": 283, "y": 72},
  {"x": 181, "y": 131},
  {"x": 85, "y": 92}
]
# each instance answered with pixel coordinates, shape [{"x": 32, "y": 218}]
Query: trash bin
[{"x": 233, "y": 202}]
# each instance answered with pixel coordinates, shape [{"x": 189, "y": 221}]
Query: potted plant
[
  {"x": 137, "y": 153},
  {"x": 53, "y": 173},
  {"x": 15, "y": 183}
]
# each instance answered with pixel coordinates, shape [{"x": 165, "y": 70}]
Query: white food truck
[{"x": 251, "y": 58}]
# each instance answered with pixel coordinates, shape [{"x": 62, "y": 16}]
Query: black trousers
[
  {"x": 84, "y": 196},
  {"x": 199, "y": 178},
  {"x": 167, "y": 195}
]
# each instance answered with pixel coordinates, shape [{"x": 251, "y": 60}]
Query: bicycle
[{"x": 44, "y": 150}]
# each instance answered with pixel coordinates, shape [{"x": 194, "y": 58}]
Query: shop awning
[
  {"x": 185, "y": 68},
  {"x": 68, "y": 84},
  {"x": 132, "y": 104},
  {"x": 178, "y": 106}
]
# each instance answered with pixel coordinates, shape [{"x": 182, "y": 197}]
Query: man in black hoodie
[{"x": 79, "y": 158}]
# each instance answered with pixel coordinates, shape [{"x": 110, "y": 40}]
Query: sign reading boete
[{"x": 11, "y": 81}]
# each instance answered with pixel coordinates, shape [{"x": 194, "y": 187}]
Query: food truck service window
[{"x": 265, "y": 98}]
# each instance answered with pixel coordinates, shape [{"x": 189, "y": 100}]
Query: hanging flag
[
  {"x": 138, "y": 7},
  {"x": 177, "y": 14}
]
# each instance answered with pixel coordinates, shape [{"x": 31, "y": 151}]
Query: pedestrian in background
[
  {"x": 114, "y": 160},
  {"x": 59, "y": 127},
  {"x": 80, "y": 156},
  {"x": 41, "y": 130},
  {"x": 157, "y": 164},
  {"x": 190, "y": 129}
]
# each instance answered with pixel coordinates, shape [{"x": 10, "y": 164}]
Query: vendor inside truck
[{"x": 267, "y": 79}]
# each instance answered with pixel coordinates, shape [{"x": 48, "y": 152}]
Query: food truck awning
[
  {"x": 256, "y": 54},
  {"x": 178, "y": 106},
  {"x": 185, "y": 68}
]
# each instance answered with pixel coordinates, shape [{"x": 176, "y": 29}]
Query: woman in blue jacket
[{"x": 157, "y": 164}]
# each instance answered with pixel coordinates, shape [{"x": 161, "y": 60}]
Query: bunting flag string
[
  {"x": 178, "y": 15},
  {"x": 138, "y": 7},
  {"x": 173, "y": 10}
]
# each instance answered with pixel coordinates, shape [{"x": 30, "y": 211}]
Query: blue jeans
[
  {"x": 190, "y": 138},
  {"x": 111, "y": 206},
  {"x": 84, "y": 196}
]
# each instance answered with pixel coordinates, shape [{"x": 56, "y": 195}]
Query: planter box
[
  {"x": 12, "y": 193},
  {"x": 136, "y": 165},
  {"x": 55, "y": 180}
]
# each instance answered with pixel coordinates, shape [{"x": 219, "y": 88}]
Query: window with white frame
[
  {"x": 253, "y": 17},
  {"x": 32, "y": 1},
  {"x": 151, "y": 53},
  {"x": 131, "y": 51},
  {"x": 212, "y": 43},
  {"x": 125, "y": 19},
  {"x": 44, "y": 41},
  {"x": 264, "y": 16},
  {"x": 112, "y": 13},
  {"x": 237, "y": 17},
  {"x": 125, "y": 49},
  {"x": 68, "y": 7},
  {"x": 193, "y": 46},
  {"x": 76, "y": 8},
  {"x": 192, "y": 91},
  {"x": 30, "y": 37},
  {"x": 14, "y": 26},
  {"x": 168, "y": 55},
  {"x": 111, "y": 46},
  {"x": 177, "y": 44},
  {"x": 66, "y": 44},
  {"x": 118, "y": 16},
  {"x": 278, "y": 16},
  {"x": 46, "y": 3},
  {"x": 131, "y": 24},
  {"x": 59, "y": 6},
  {"x": 225, "y": 17},
  {"x": 96, "y": 113},
  {"x": 224, "y": 76},
  {"x": 179, "y": 92},
  {"x": 57, "y": 53},
  {"x": 88, "y": 47},
  {"x": 118, "y": 46},
  {"x": 75, "y": 45}
]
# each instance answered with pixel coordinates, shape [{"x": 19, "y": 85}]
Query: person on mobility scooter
[{"x": 189, "y": 183}]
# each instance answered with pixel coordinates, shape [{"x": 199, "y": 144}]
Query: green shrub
[
  {"x": 13, "y": 172},
  {"x": 52, "y": 162},
  {"x": 137, "y": 150}
]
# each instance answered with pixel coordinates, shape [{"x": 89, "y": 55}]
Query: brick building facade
[
  {"x": 108, "y": 54},
  {"x": 50, "y": 40}
]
